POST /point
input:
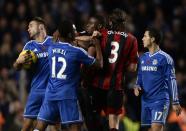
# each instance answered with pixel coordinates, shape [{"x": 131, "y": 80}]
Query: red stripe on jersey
[{"x": 128, "y": 55}]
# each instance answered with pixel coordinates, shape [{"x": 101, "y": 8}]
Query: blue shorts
[
  {"x": 33, "y": 105},
  {"x": 154, "y": 112},
  {"x": 63, "y": 111}
]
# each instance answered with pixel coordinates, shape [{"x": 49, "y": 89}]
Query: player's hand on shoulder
[
  {"x": 96, "y": 34},
  {"x": 177, "y": 109},
  {"x": 137, "y": 90}
]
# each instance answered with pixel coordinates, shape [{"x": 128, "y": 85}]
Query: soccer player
[
  {"x": 156, "y": 78},
  {"x": 39, "y": 45},
  {"x": 61, "y": 95},
  {"x": 120, "y": 53},
  {"x": 91, "y": 117}
]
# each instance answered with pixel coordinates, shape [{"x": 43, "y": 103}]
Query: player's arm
[
  {"x": 133, "y": 56},
  {"x": 92, "y": 51},
  {"x": 99, "y": 56},
  {"x": 96, "y": 61},
  {"x": 83, "y": 38},
  {"x": 139, "y": 83},
  {"x": 85, "y": 41},
  {"x": 21, "y": 60},
  {"x": 171, "y": 79},
  {"x": 82, "y": 44}
]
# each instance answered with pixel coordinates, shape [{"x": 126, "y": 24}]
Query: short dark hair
[
  {"x": 157, "y": 34},
  {"x": 66, "y": 30},
  {"x": 39, "y": 20},
  {"x": 118, "y": 18},
  {"x": 101, "y": 21}
]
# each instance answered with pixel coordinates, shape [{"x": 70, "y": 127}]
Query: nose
[{"x": 142, "y": 38}]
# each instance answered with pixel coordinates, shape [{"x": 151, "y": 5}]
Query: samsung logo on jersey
[
  {"x": 115, "y": 32},
  {"x": 149, "y": 68},
  {"x": 60, "y": 51},
  {"x": 42, "y": 55}
]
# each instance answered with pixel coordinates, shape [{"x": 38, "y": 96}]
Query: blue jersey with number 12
[{"x": 65, "y": 61}]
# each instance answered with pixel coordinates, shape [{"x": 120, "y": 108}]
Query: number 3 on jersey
[
  {"x": 60, "y": 74},
  {"x": 114, "y": 51}
]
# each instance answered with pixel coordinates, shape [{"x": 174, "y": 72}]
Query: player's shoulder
[
  {"x": 131, "y": 36},
  {"x": 165, "y": 56},
  {"x": 145, "y": 54},
  {"x": 78, "y": 49},
  {"x": 103, "y": 31},
  {"x": 70, "y": 46},
  {"x": 50, "y": 38},
  {"x": 28, "y": 44}
]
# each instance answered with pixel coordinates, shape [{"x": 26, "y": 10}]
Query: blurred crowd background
[{"x": 167, "y": 15}]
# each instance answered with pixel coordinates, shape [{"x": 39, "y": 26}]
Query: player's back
[
  {"x": 153, "y": 74},
  {"x": 64, "y": 62},
  {"x": 39, "y": 72},
  {"x": 119, "y": 50}
]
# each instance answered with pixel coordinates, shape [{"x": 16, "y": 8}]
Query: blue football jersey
[
  {"x": 65, "y": 61},
  {"x": 40, "y": 74},
  {"x": 156, "y": 76}
]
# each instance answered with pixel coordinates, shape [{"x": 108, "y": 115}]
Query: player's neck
[
  {"x": 41, "y": 37},
  {"x": 65, "y": 40},
  {"x": 154, "y": 48}
]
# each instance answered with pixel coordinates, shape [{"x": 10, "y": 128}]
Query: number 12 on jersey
[{"x": 60, "y": 73}]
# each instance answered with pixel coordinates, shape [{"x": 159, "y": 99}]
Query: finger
[
  {"x": 137, "y": 86},
  {"x": 28, "y": 59},
  {"x": 28, "y": 63},
  {"x": 178, "y": 111},
  {"x": 28, "y": 52},
  {"x": 136, "y": 92}
]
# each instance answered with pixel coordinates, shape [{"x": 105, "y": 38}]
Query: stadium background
[{"x": 167, "y": 15}]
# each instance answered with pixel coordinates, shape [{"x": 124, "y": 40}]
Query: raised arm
[{"x": 99, "y": 56}]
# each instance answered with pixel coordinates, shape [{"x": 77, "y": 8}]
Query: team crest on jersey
[
  {"x": 155, "y": 62},
  {"x": 142, "y": 62}
]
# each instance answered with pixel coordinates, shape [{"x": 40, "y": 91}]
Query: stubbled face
[
  {"x": 146, "y": 40},
  {"x": 33, "y": 29},
  {"x": 91, "y": 25}
]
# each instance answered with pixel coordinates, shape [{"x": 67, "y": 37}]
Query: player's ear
[
  {"x": 41, "y": 27},
  {"x": 153, "y": 39}
]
